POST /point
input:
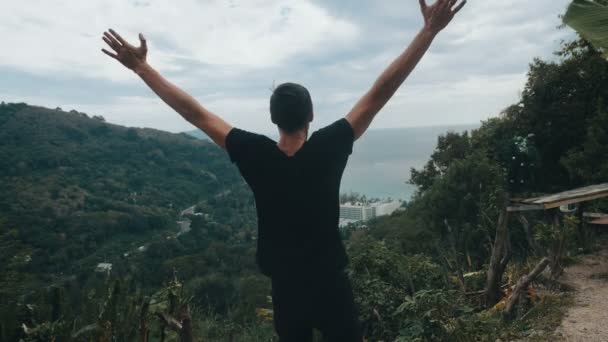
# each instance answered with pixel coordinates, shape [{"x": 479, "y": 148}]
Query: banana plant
[{"x": 590, "y": 19}]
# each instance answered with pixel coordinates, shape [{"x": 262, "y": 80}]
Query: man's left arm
[{"x": 436, "y": 18}]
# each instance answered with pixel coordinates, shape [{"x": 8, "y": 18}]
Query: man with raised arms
[{"x": 296, "y": 182}]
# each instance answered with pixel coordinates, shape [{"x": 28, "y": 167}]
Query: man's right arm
[
  {"x": 188, "y": 107},
  {"x": 134, "y": 58},
  {"x": 436, "y": 18}
]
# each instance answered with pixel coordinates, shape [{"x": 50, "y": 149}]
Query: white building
[
  {"x": 387, "y": 208},
  {"x": 355, "y": 212}
]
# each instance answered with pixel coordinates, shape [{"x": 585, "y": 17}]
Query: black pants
[{"x": 303, "y": 301}]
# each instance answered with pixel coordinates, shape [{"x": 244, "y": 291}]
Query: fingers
[
  {"x": 459, "y": 7},
  {"x": 113, "y": 55},
  {"x": 112, "y": 42},
  {"x": 144, "y": 43},
  {"x": 441, "y": 3},
  {"x": 120, "y": 39}
]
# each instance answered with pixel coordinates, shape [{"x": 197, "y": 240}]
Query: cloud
[
  {"x": 476, "y": 67},
  {"x": 450, "y": 103},
  {"x": 228, "y": 53},
  {"x": 64, "y": 37}
]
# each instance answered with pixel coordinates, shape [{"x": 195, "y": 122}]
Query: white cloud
[
  {"x": 228, "y": 53},
  {"x": 64, "y": 36},
  {"x": 466, "y": 101}
]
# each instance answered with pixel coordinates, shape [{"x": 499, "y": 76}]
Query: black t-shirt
[{"x": 297, "y": 197}]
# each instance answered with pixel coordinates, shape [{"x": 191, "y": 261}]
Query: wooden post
[
  {"x": 582, "y": 231},
  {"x": 501, "y": 254},
  {"x": 558, "y": 246}
]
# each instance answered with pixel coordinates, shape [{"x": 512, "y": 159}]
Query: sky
[{"x": 229, "y": 54}]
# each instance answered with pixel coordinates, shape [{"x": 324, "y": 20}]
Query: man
[{"x": 296, "y": 182}]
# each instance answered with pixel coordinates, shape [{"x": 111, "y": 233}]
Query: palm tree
[{"x": 590, "y": 19}]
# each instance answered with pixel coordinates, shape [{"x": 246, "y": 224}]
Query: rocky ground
[{"x": 587, "y": 319}]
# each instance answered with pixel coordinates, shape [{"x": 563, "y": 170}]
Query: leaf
[{"x": 590, "y": 19}]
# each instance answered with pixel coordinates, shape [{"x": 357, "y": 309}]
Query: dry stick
[
  {"x": 183, "y": 328},
  {"x": 170, "y": 322},
  {"x": 556, "y": 268},
  {"x": 538, "y": 251},
  {"x": 580, "y": 211},
  {"x": 445, "y": 266},
  {"x": 523, "y": 283},
  {"x": 186, "y": 334},
  {"x": 143, "y": 327},
  {"x": 507, "y": 251},
  {"x": 411, "y": 283},
  {"x": 452, "y": 241}
]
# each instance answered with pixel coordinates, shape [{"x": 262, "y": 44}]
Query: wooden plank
[
  {"x": 576, "y": 200},
  {"x": 595, "y": 215},
  {"x": 525, "y": 207},
  {"x": 602, "y": 221},
  {"x": 571, "y": 196}
]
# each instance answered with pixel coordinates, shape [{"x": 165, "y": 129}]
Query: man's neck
[{"x": 290, "y": 143}]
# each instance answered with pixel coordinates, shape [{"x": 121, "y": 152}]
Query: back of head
[{"x": 290, "y": 107}]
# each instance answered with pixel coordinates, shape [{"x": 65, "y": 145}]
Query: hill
[{"x": 77, "y": 191}]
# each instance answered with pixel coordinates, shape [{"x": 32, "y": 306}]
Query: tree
[
  {"x": 587, "y": 163},
  {"x": 450, "y": 147}
]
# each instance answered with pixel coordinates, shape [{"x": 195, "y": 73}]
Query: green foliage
[
  {"x": 462, "y": 205},
  {"x": 439, "y": 315},
  {"x": 47, "y": 331},
  {"x": 590, "y": 19},
  {"x": 552, "y": 140},
  {"x": 79, "y": 185},
  {"x": 557, "y": 105},
  {"x": 450, "y": 148},
  {"x": 586, "y": 163},
  {"x": 382, "y": 279}
]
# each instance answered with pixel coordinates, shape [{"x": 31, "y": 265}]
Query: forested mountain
[
  {"x": 77, "y": 184},
  {"x": 77, "y": 191}
]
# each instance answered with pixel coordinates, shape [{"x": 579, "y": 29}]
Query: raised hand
[
  {"x": 128, "y": 55},
  {"x": 438, "y": 15}
]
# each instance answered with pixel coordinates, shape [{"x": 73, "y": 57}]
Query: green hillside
[
  {"x": 77, "y": 191},
  {"x": 77, "y": 184}
]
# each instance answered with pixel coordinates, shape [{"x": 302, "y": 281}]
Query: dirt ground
[{"x": 587, "y": 320}]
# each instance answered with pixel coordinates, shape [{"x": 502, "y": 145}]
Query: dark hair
[{"x": 290, "y": 107}]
